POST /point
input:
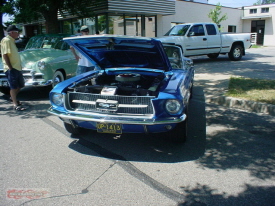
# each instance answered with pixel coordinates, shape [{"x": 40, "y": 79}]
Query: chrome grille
[{"x": 137, "y": 104}]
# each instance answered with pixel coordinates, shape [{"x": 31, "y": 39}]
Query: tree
[
  {"x": 268, "y": 1},
  {"x": 262, "y": 2},
  {"x": 5, "y": 8},
  {"x": 215, "y": 15},
  {"x": 26, "y": 11}
]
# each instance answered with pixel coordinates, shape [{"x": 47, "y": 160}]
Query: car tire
[
  {"x": 236, "y": 53},
  {"x": 179, "y": 133},
  {"x": 191, "y": 92},
  {"x": 57, "y": 78},
  {"x": 71, "y": 129},
  {"x": 5, "y": 90},
  {"x": 213, "y": 56}
]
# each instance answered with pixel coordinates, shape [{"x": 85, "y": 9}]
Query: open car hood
[{"x": 115, "y": 51}]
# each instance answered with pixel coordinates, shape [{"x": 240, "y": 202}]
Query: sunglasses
[{"x": 16, "y": 31}]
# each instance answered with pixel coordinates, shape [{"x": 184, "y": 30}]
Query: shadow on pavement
[
  {"x": 36, "y": 100},
  {"x": 241, "y": 140},
  {"x": 203, "y": 195}
]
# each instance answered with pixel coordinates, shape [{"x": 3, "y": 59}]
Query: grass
[
  {"x": 256, "y": 46},
  {"x": 259, "y": 90}
]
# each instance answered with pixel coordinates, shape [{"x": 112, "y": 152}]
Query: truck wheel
[
  {"x": 71, "y": 129},
  {"x": 236, "y": 52},
  {"x": 213, "y": 56},
  {"x": 57, "y": 78},
  {"x": 5, "y": 90}
]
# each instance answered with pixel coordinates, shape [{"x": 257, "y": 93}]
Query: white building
[
  {"x": 251, "y": 19},
  {"x": 153, "y": 18},
  {"x": 259, "y": 19}
]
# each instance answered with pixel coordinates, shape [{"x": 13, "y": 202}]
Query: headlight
[
  {"x": 41, "y": 64},
  {"x": 173, "y": 106},
  {"x": 57, "y": 99}
]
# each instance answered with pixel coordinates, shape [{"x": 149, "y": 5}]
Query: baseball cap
[
  {"x": 12, "y": 28},
  {"x": 84, "y": 28}
]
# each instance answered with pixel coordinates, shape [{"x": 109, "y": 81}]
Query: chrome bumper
[
  {"x": 31, "y": 82},
  {"x": 117, "y": 119},
  {"x": 4, "y": 82}
]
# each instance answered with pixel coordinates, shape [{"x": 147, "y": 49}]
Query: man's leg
[{"x": 13, "y": 93}]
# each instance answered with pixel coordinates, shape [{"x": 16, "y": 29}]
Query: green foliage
[
  {"x": 5, "y": 8},
  {"x": 214, "y": 15},
  {"x": 261, "y": 2},
  {"x": 268, "y": 1},
  {"x": 25, "y": 11}
]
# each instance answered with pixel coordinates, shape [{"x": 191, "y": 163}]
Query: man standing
[
  {"x": 84, "y": 65},
  {"x": 12, "y": 65}
]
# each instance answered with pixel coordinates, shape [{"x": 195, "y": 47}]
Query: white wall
[
  {"x": 269, "y": 37},
  {"x": 269, "y": 33}
]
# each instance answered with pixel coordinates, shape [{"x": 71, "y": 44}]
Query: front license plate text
[{"x": 109, "y": 128}]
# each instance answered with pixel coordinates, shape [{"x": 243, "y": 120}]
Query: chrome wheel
[
  {"x": 236, "y": 53},
  {"x": 57, "y": 78}
]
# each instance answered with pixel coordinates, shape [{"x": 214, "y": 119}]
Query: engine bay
[{"x": 126, "y": 84}]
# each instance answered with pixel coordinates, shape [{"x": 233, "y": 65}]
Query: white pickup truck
[{"x": 205, "y": 39}]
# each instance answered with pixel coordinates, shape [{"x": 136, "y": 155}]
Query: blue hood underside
[{"x": 113, "y": 52}]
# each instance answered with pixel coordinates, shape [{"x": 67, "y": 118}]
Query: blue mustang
[{"x": 139, "y": 85}]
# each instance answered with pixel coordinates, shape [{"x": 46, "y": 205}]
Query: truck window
[
  {"x": 197, "y": 30},
  {"x": 178, "y": 30},
  {"x": 211, "y": 30}
]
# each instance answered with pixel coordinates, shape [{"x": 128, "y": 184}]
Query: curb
[{"x": 247, "y": 105}]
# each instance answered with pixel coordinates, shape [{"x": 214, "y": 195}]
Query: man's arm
[
  {"x": 74, "y": 53},
  {"x": 7, "y": 60}
]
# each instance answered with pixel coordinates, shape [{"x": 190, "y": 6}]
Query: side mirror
[{"x": 191, "y": 33}]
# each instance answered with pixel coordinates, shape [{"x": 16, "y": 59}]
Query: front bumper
[
  {"x": 116, "y": 118},
  {"x": 28, "y": 82},
  {"x": 4, "y": 82},
  {"x": 42, "y": 82}
]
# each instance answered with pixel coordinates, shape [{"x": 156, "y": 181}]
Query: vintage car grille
[
  {"x": 125, "y": 104},
  {"x": 26, "y": 74}
]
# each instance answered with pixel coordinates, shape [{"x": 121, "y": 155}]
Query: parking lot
[{"x": 228, "y": 158}]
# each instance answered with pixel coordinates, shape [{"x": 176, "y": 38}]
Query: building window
[
  {"x": 265, "y": 10},
  {"x": 253, "y": 11},
  {"x": 232, "y": 28}
]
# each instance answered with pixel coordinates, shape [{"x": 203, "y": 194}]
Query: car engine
[{"x": 126, "y": 84}]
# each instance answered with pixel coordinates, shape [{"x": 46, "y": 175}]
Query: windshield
[
  {"x": 178, "y": 30},
  {"x": 47, "y": 43}
]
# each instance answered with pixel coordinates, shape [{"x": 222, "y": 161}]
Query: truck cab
[{"x": 206, "y": 39}]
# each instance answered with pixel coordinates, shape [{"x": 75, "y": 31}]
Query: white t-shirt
[{"x": 83, "y": 61}]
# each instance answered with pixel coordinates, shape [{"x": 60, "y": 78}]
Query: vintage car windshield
[
  {"x": 46, "y": 42},
  {"x": 178, "y": 30},
  {"x": 123, "y": 52},
  {"x": 174, "y": 55}
]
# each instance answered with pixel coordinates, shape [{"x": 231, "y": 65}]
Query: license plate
[
  {"x": 4, "y": 83},
  {"x": 109, "y": 128}
]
